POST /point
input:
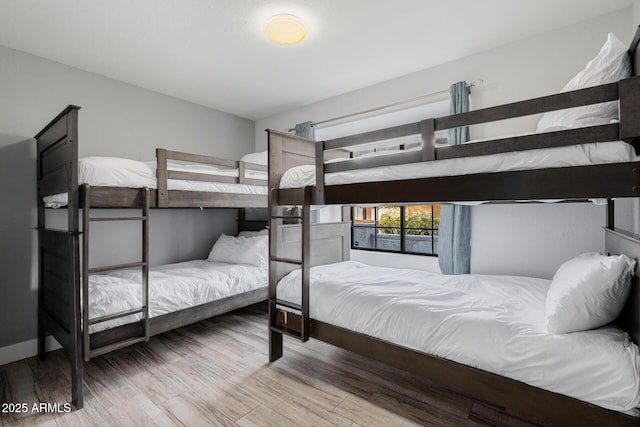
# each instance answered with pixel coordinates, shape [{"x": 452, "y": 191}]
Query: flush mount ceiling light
[{"x": 285, "y": 29}]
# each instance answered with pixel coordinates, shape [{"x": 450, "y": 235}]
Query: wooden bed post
[
  {"x": 42, "y": 332},
  {"x": 306, "y": 263},
  {"x": 427, "y": 130},
  {"x": 73, "y": 209},
  {"x": 161, "y": 177},
  {"x": 319, "y": 188},
  {"x": 629, "y": 92},
  {"x": 57, "y": 172},
  {"x": 275, "y": 337}
]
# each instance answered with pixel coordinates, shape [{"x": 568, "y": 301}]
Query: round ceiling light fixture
[{"x": 285, "y": 29}]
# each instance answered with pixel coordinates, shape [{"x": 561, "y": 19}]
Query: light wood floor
[{"x": 217, "y": 373}]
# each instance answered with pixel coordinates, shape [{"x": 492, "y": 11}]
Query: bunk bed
[
  {"x": 302, "y": 255},
  {"x": 68, "y": 283}
]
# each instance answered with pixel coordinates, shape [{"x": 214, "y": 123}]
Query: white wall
[
  {"x": 504, "y": 238},
  {"x": 116, "y": 119},
  {"x": 635, "y": 15}
]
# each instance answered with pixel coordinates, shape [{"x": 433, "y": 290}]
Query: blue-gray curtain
[
  {"x": 306, "y": 130},
  {"x": 454, "y": 234}
]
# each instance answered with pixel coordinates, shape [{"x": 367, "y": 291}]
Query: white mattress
[
  {"x": 172, "y": 287},
  {"x": 574, "y": 155},
  {"x": 494, "y": 323},
  {"x": 118, "y": 172}
]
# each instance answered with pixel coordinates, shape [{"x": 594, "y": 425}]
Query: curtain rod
[{"x": 477, "y": 82}]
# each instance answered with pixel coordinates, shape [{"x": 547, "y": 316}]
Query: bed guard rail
[
  {"x": 164, "y": 172},
  {"x": 628, "y": 129}
]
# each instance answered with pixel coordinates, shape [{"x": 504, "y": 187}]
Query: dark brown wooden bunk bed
[
  {"x": 64, "y": 254},
  {"x": 306, "y": 245}
]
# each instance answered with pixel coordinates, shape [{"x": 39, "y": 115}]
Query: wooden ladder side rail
[
  {"x": 274, "y": 220},
  {"x": 306, "y": 263},
  {"x": 88, "y": 352}
]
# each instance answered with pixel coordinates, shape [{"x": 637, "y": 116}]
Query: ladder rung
[
  {"x": 286, "y": 331},
  {"x": 120, "y": 218},
  {"x": 289, "y": 304},
  {"x": 116, "y": 315},
  {"x": 286, "y": 216},
  {"x": 116, "y": 267},
  {"x": 115, "y": 346},
  {"x": 286, "y": 260}
]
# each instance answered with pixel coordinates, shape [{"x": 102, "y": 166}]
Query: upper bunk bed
[
  {"x": 175, "y": 179},
  {"x": 595, "y": 161}
]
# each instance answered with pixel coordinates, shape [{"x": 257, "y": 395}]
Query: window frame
[{"x": 434, "y": 232}]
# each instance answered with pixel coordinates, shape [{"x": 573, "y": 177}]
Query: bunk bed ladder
[
  {"x": 143, "y": 310},
  {"x": 278, "y": 307}
]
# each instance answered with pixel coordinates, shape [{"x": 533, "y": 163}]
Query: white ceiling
[{"x": 214, "y": 52}]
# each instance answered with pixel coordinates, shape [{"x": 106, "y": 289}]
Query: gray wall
[
  {"x": 116, "y": 119},
  {"x": 18, "y": 285},
  {"x": 532, "y": 67}
]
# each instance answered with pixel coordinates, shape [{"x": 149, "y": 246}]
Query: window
[
  {"x": 399, "y": 229},
  {"x": 403, "y": 229}
]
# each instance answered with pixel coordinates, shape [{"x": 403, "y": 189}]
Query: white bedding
[
  {"x": 574, "y": 155},
  {"x": 119, "y": 172},
  {"x": 495, "y": 323},
  {"x": 172, "y": 287}
]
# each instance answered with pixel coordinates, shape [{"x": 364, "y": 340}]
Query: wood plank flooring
[{"x": 217, "y": 372}]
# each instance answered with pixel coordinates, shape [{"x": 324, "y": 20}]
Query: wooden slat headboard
[
  {"x": 57, "y": 168},
  {"x": 331, "y": 242},
  {"x": 57, "y": 148},
  {"x": 621, "y": 242},
  {"x": 285, "y": 152}
]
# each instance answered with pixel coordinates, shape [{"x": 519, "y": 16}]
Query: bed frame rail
[
  {"x": 626, "y": 91},
  {"x": 164, "y": 173}
]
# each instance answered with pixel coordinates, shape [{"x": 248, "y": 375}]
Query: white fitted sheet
[
  {"x": 494, "y": 323},
  {"x": 172, "y": 287},
  {"x": 119, "y": 172},
  {"x": 574, "y": 155}
]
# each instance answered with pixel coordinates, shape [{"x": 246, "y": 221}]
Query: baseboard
[{"x": 25, "y": 349}]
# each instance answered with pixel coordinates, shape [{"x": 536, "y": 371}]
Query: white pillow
[
  {"x": 260, "y": 158},
  {"x": 587, "y": 292},
  {"x": 264, "y": 232},
  {"x": 610, "y": 65},
  {"x": 240, "y": 250},
  {"x": 115, "y": 172}
]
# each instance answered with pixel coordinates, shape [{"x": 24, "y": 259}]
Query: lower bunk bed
[
  {"x": 482, "y": 336},
  {"x": 178, "y": 294},
  {"x": 125, "y": 307}
]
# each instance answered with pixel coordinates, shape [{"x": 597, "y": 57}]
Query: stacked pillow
[
  {"x": 610, "y": 65},
  {"x": 587, "y": 292},
  {"x": 244, "y": 249}
]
